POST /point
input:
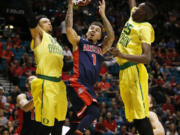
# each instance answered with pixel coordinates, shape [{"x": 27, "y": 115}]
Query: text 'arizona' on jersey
[{"x": 87, "y": 62}]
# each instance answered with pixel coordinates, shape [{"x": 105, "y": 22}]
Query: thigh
[
  {"x": 76, "y": 102},
  {"x": 36, "y": 91},
  {"x": 132, "y": 92},
  {"x": 61, "y": 102},
  {"x": 48, "y": 103}
]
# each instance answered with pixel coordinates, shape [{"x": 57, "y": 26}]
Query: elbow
[
  {"x": 111, "y": 39},
  {"x": 147, "y": 60},
  {"x": 68, "y": 29}
]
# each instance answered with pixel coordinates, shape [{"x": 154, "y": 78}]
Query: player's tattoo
[
  {"x": 107, "y": 42},
  {"x": 69, "y": 16}
]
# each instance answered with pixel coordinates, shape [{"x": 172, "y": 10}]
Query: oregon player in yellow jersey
[
  {"x": 48, "y": 90},
  {"x": 132, "y": 52}
]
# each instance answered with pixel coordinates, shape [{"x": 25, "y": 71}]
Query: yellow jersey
[
  {"x": 132, "y": 37},
  {"x": 48, "y": 56}
]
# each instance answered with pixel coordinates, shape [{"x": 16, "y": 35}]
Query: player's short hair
[
  {"x": 39, "y": 17},
  {"x": 151, "y": 9},
  {"x": 98, "y": 24}
]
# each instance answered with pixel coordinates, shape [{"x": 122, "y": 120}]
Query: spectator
[
  {"x": 63, "y": 32},
  {"x": 168, "y": 106},
  {"x": 7, "y": 54},
  {"x": 17, "y": 41},
  {"x": 100, "y": 128},
  {"x": 103, "y": 84},
  {"x": 3, "y": 119},
  {"x": 5, "y": 131},
  {"x": 29, "y": 68},
  {"x": 133, "y": 131},
  {"x": 110, "y": 124},
  {"x": 172, "y": 130},
  {"x": 16, "y": 72},
  {"x": 24, "y": 59},
  {"x": 2, "y": 97},
  {"x": 67, "y": 54},
  {"x": 10, "y": 127},
  {"x": 66, "y": 123},
  {"x": 9, "y": 42},
  {"x": 171, "y": 43},
  {"x": 123, "y": 130}
]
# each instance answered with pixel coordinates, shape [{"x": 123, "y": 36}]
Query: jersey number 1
[{"x": 94, "y": 59}]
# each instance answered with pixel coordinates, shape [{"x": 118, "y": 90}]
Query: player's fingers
[{"x": 100, "y": 3}]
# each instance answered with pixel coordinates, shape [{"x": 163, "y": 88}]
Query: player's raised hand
[{"x": 102, "y": 7}]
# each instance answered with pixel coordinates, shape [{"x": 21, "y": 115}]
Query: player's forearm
[
  {"x": 28, "y": 106},
  {"x": 132, "y": 3},
  {"x": 137, "y": 58},
  {"x": 159, "y": 131},
  {"x": 108, "y": 27},
  {"x": 69, "y": 16}
]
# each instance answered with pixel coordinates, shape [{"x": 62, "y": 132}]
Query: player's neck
[{"x": 94, "y": 42}]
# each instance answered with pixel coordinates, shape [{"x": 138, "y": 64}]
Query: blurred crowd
[{"x": 17, "y": 63}]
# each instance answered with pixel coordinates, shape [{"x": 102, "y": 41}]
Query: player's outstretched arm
[
  {"x": 108, "y": 40},
  {"x": 35, "y": 30},
  {"x": 144, "y": 58},
  {"x": 132, "y": 3},
  {"x": 71, "y": 33},
  {"x": 156, "y": 124},
  {"x": 24, "y": 104}
]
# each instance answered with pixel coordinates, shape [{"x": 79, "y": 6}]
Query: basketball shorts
[
  {"x": 133, "y": 80},
  {"x": 79, "y": 97},
  {"x": 50, "y": 101}
]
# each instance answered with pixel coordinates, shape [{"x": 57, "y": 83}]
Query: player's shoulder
[{"x": 146, "y": 25}]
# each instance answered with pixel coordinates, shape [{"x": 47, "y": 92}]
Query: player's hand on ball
[
  {"x": 115, "y": 52},
  {"x": 102, "y": 7}
]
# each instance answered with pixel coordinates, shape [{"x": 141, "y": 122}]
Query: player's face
[
  {"x": 94, "y": 33},
  {"x": 139, "y": 13},
  {"x": 45, "y": 24}
]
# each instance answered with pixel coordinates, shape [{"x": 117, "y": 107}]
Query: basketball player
[
  {"x": 87, "y": 57},
  {"x": 48, "y": 90},
  {"x": 25, "y": 103},
  {"x": 156, "y": 124},
  {"x": 132, "y": 52}
]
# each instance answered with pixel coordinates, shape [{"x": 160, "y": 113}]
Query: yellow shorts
[
  {"x": 50, "y": 101},
  {"x": 134, "y": 90}
]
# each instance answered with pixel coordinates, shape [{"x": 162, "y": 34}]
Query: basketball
[{"x": 81, "y": 2}]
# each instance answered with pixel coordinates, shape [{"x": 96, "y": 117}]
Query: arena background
[{"x": 17, "y": 62}]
